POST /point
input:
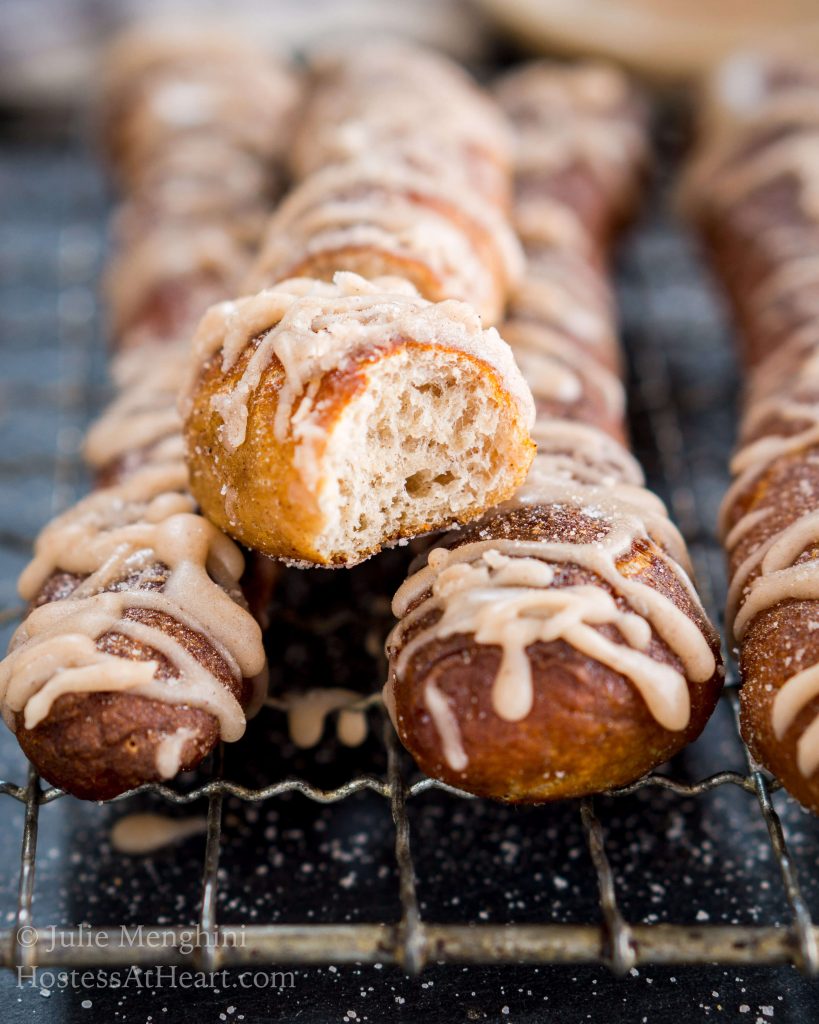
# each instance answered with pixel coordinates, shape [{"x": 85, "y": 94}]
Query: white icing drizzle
[
  {"x": 744, "y": 103},
  {"x": 414, "y": 189},
  {"x": 248, "y": 109},
  {"x": 548, "y": 378},
  {"x": 771, "y": 565},
  {"x": 797, "y": 272},
  {"x": 744, "y": 526},
  {"x": 144, "y": 414},
  {"x": 200, "y": 176},
  {"x": 404, "y": 167},
  {"x": 779, "y": 578},
  {"x": 797, "y": 692},
  {"x": 756, "y": 458},
  {"x": 311, "y": 327},
  {"x": 550, "y": 302},
  {"x": 112, "y": 534},
  {"x": 761, "y": 453},
  {"x": 501, "y": 592},
  {"x": 588, "y": 456},
  {"x": 560, "y": 372},
  {"x": 784, "y": 388},
  {"x": 563, "y": 113},
  {"x": 566, "y": 116},
  {"x": 163, "y": 87},
  {"x": 193, "y": 123}
]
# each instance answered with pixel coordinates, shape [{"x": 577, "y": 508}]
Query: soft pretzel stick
[
  {"x": 557, "y": 647},
  {"x": 752, "y": 192},
  {"x": 139, "y": 651}
]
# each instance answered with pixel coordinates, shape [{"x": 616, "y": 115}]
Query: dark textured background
[{"x": 675, "y": 860}]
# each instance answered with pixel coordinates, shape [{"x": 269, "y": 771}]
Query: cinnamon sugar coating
[{"x": 752, "y": 192}]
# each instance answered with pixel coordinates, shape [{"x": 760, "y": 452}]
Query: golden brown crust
[
  {"x": 270, "y": 510},
  {"x": 268, "y": 499},
  {"x": 589, "y": 729},
  {"x": 99, "y": 745},
  {"x": 369, "y": 263}
]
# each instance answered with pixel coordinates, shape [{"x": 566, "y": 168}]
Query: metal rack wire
[{"x": 412, "y": 941}]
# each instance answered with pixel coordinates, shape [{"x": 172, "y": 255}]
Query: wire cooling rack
[{"x": 70, "y": 220}]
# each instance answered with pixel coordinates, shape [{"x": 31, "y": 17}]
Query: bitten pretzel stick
[
  {"x": 317, "y": 413},
  {"x": 324, "y": 421},
  {"x": 139, "y": 652},
  {"x": 752, "y": 192},
  {"x": 557, "y": 647}
]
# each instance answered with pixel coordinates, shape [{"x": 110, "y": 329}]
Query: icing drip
[
  {"x": 797, "y": 692},
  {"x": 169, "y": 752},
  {"x": 308, "y": 711},
  {"x": 447, "y": 726},
  {"x": 140, "y": 834}
]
